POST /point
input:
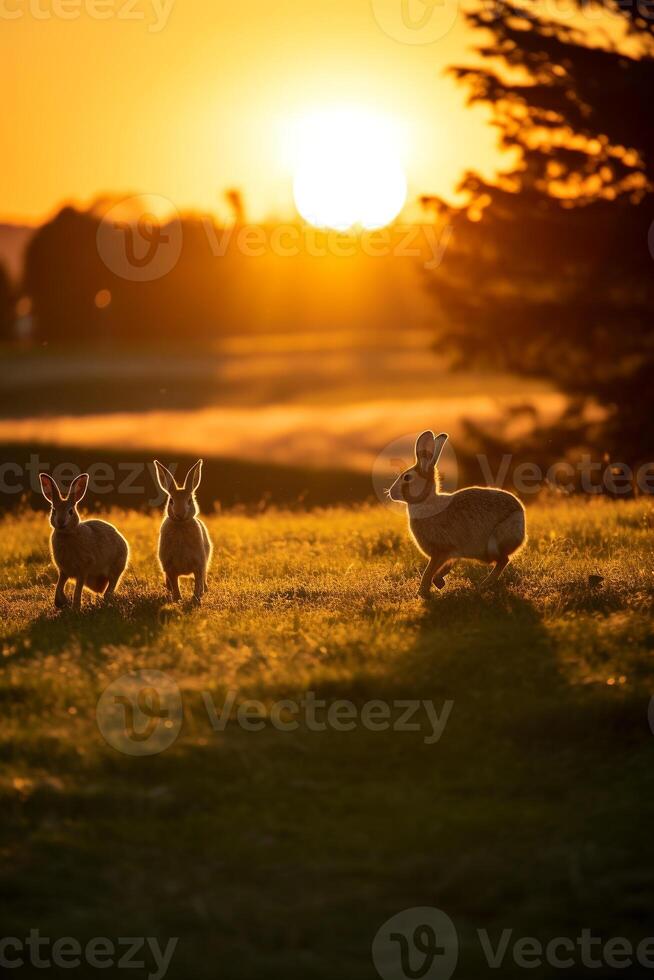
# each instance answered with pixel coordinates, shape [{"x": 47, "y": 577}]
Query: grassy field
[{"x": 276, "y": 854}]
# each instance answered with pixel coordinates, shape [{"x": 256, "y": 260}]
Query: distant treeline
[{"x": 91, "y": 276}]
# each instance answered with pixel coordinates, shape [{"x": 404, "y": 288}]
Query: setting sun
[
  {"x": 348, "y": 172},
  {"x": 326, "y": 488}
]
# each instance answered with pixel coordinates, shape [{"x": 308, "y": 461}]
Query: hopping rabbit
[
  {"x": 483, "y": 523},
  {"x": 184, "y": 543},
  {"x": 91, "y": 552}
]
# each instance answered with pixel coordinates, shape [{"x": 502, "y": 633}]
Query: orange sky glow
[{"x": 184, "y": 98}]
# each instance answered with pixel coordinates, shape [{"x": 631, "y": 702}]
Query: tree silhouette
[
  {"x": 6, "y": 306},
  {"x": 63, "y": 272},
  {"x": 549, "y": 273}
]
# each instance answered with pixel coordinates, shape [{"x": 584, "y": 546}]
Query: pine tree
[{"x": 550, "y": 273}]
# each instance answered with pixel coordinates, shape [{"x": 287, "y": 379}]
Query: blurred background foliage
[
  {"x": 547, "y": 276},
  {"x": 550, "y": 273}
]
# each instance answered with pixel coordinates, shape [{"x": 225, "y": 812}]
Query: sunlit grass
[{"x": 262, "y": 846}]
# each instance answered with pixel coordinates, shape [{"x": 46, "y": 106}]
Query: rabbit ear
[
  {"x": 165, "y": 478},
  {"x": 78, "y": 488},
  {"x": 439, "y": 443},
  {"x": 49, "y": 488},
  {"x": 428, "y": 449},
  {"x": 193, "y": 477},
  {"x": 424, "y": 450}
]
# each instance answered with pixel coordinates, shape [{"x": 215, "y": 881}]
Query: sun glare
[{"x": 347, "y": 170}]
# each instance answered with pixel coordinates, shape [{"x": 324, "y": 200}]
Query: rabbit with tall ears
[
  {"x": 184, "y": 543},
  {"x": 482, "y": 523},
  {"x": 92, "y": 552}
]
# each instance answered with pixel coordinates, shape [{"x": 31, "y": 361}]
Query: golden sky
[{"x": 183, "y": 98}]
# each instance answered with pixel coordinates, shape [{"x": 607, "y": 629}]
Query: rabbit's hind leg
[
  {"x": 77, "y": 595},
  {"x": 60, "y": 599},
  {"x": 114, "y": 578},
  {"x": 440, "y": 573},
  {"x": 199, "y": 578},
  {"x": 500, "y": 565},
  {"x": 433, "y": 569}
]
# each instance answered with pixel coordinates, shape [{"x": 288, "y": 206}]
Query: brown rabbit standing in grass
[
  {"x": 184, "y": 543},
  {"x": 483, "y": 523},
  {"x": 91, "y": 552}
]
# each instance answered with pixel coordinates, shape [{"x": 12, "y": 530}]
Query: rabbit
[
  {"x": 184, "y": 544},
  {"x": 483, "y": 523},
  {"x": 92, "y": 552}
]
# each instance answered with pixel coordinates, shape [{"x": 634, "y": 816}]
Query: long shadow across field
[
  {"x": 518, "y": 797},
  {"x": 99, "y": 625},
  {"x": 277, "y": 854}
]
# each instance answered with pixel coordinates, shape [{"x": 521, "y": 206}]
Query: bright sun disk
[{"x": 348, "y": 171}]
